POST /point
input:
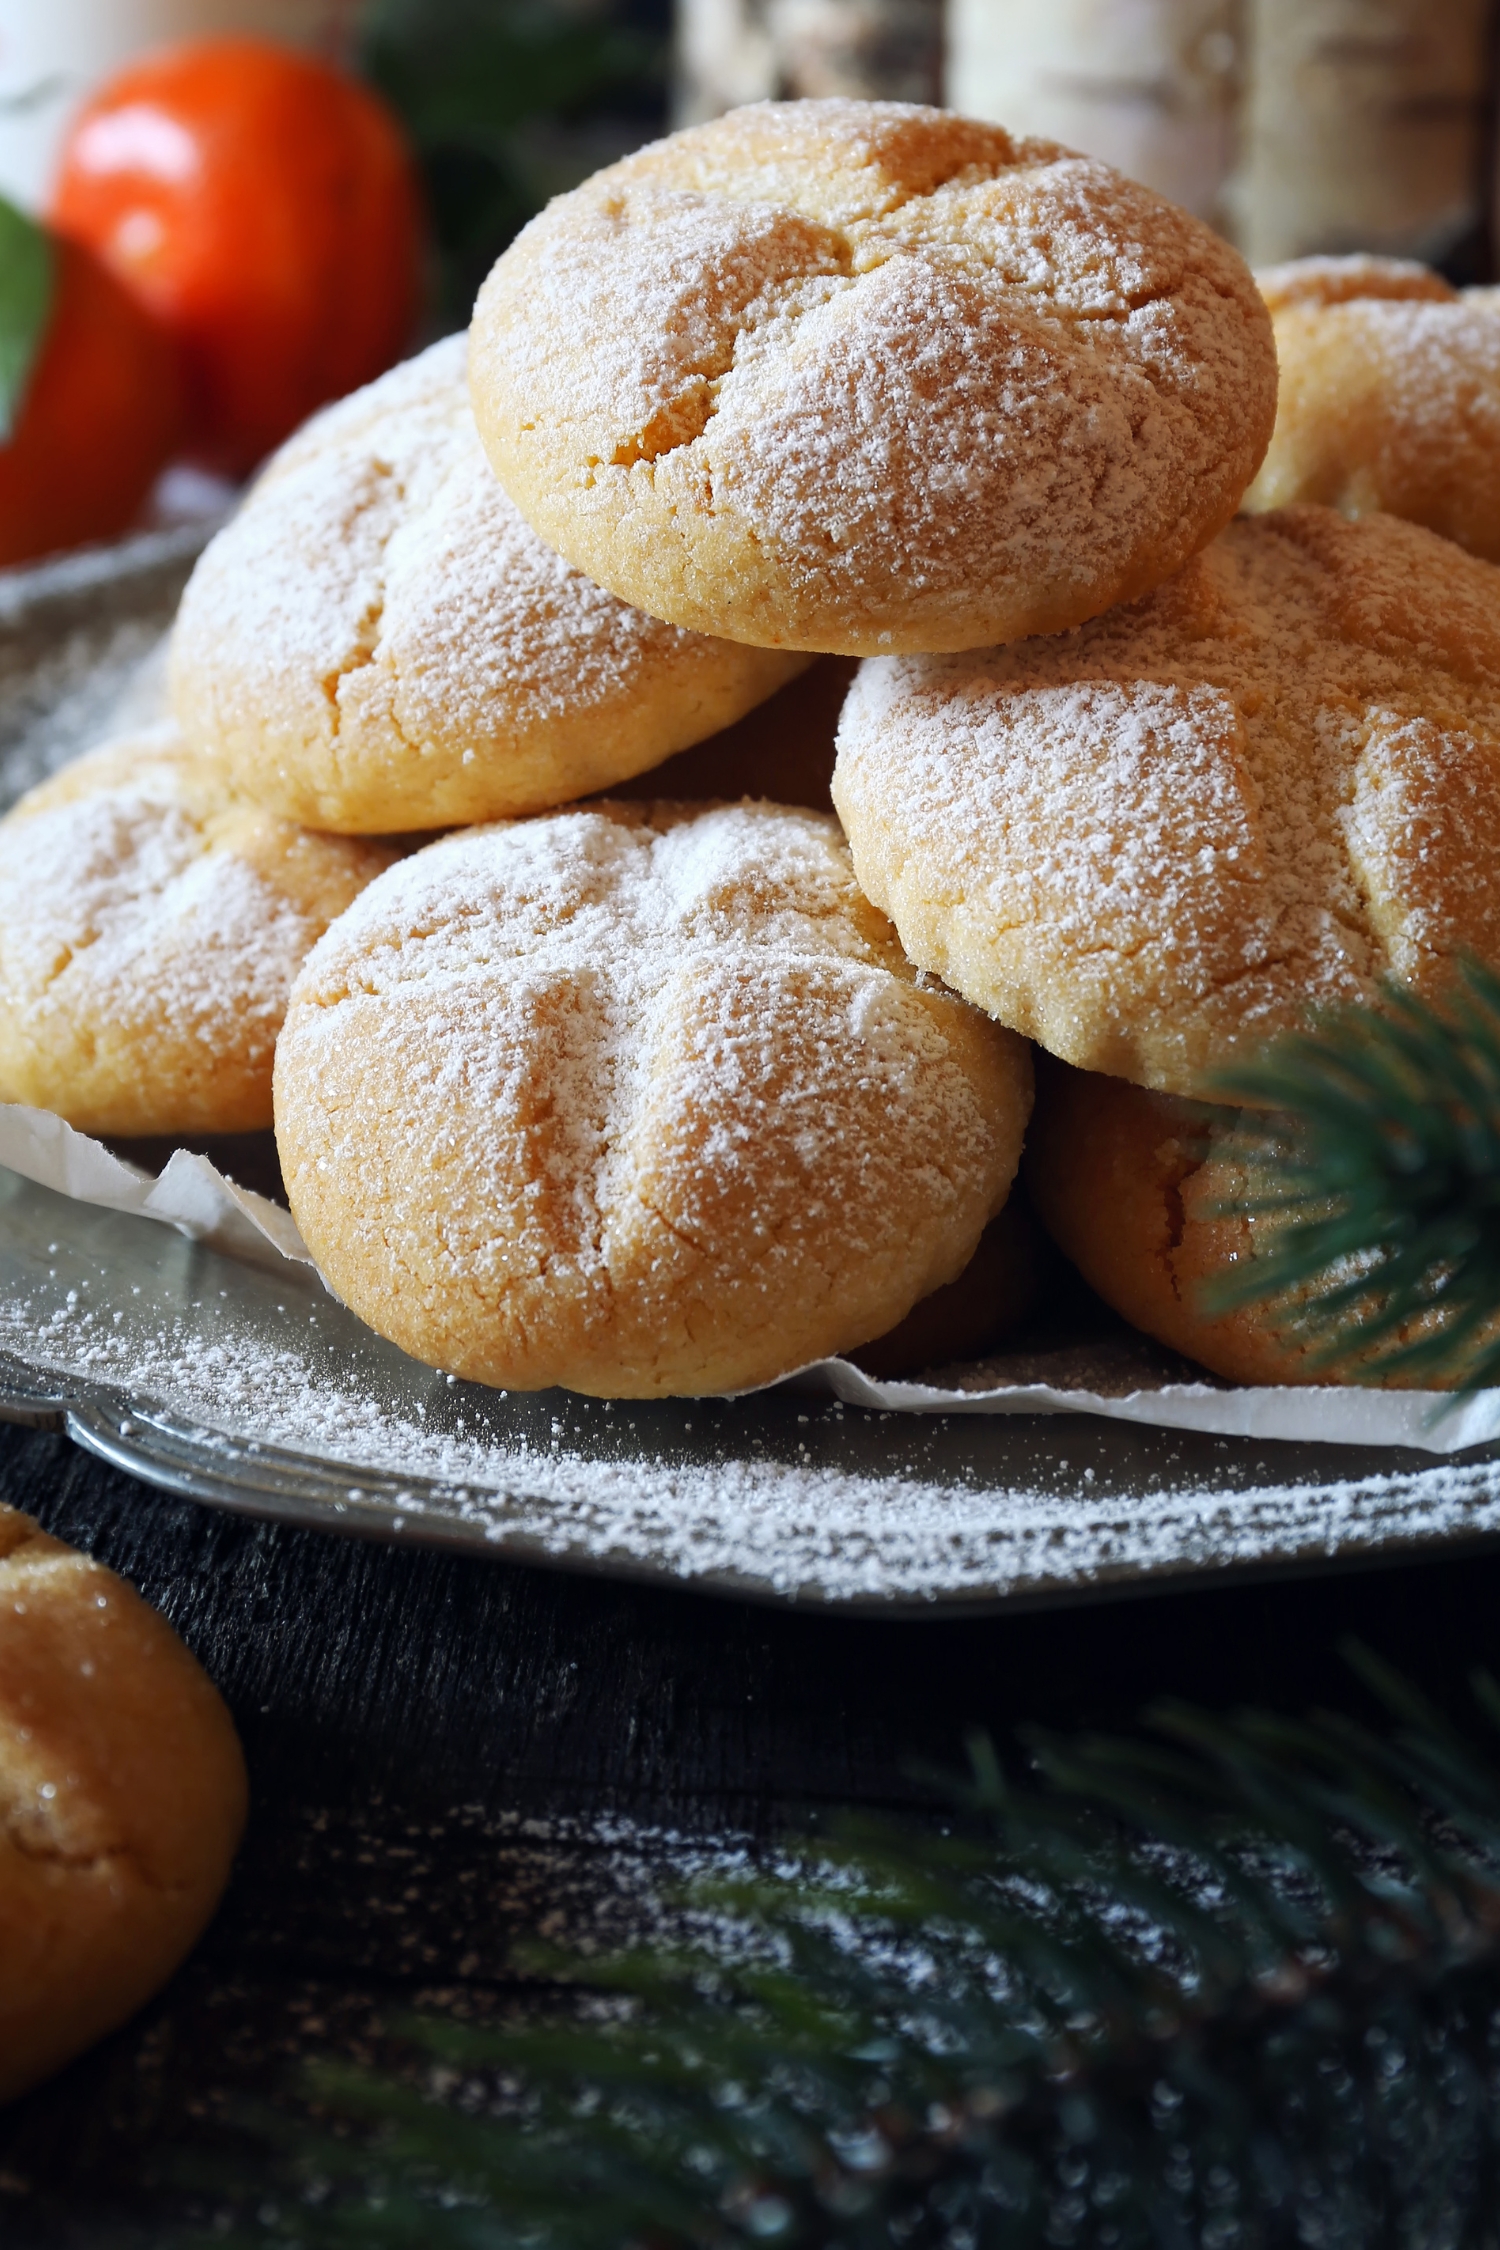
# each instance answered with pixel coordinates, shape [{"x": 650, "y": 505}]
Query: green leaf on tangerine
[{"x": 28, "y": 276}]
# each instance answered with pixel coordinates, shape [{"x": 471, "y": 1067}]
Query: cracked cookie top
[
  {"x": 1390, "y": 396},
  {"x": 637, "y": 1099},
  {"x": 1153, "y": 842},
  {"x": 379, "y": 643},
  {"x": 864, "y": 376},
  {"x": 122, "y": 1798},
  {"x": 151, "y": 923}
]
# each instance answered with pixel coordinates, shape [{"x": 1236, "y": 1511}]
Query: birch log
[
  {"x": 1363, "y": 127},
  {"x": 731, "y": 51},
  {"x": 1149, "y": 85}
]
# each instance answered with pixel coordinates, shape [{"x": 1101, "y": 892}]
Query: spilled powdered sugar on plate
[
  {"x": 260, "y": 1391},
  {"x": 193, "y": 1196},
  {"x": 83, "y": 650}
]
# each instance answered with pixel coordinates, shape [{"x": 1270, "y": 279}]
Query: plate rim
[{"x": 217, "y": 1469}]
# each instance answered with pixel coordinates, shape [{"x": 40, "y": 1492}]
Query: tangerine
[
  {"x": 264, "y": 207},
  {"x": 101, "y": 414}
]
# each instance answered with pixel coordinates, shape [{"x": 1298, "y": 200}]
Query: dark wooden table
[{"x": 445, "y": 1752}]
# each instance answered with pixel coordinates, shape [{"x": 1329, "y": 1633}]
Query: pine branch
[
  {"x": 1375, "y": 1152},
  {"x": 1233, "y": 1983}
]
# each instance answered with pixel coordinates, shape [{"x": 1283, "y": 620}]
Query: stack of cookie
[
  {"x": 653, "y": 1094},
  {"x": 654, "y": 1101},
  {"x": 1156, "y": 842}
]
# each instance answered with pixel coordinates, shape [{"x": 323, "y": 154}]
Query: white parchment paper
[
  {"x": 1335, "y": 1414},
  {"x": 192, "y": 1195}
]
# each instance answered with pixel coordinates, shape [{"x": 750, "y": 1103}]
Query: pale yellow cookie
[
  {"x": 858, "y": 376},
  {"x": 1145, "y": 1193},
  {"x": 1325, "y": 281},
  {"x": 637, "y": 1100},
  {"x": 1152, "y": 843},
  {"x": 151, "y": 923},
  {"x": 378, "y": 643},
  {"x": 122, "y": 1798},
  {"x": 1390, "y": 397}
]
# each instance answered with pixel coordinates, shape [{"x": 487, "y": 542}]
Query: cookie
[
  {"x": 377, "y": 643},
  {"x": 151, "y": 923},
  {"x": 1390, "y": 397},
  {"x": 122, "y": 1799},
  {"x": 638, "y": 1100},
  {"x": 1135, "y": 1187},
  {"x": 1152, "y": 843},
  {"x": 782, "y": 750},
  {"x": 1323, "y": 281},
  {"x": 864, "y": 376},
  {"x": 999, "y": 1290}
]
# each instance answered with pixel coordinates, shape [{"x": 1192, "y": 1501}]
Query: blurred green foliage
[
  {"x": 508, "y": 102},
  {"x": 1232, "y": 1984}
]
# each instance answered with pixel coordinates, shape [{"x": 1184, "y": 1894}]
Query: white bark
[
  {"x": 1296, "y": 125},
  {"x": 1363, "y": 126},
  {"x": 1149, "y": 85},
  {"x": 732, "y": 51}
]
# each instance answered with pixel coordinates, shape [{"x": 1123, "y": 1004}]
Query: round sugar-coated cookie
[
  {"x": 378, "y": 643},
  {"x": 864, "y": 376},
  {"x": 637, "y": 1099},
  {"x": 1154, "y": 842},
  {"x": 1390, "y": 397},
  {"x": 1322, "y": 281},
  {"x": 1145, "y": 1193},
  {"x": 122, "y": 1798},
  {"x": 151, "y": 923}
]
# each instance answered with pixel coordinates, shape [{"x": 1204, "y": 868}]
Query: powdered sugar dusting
[
  {"x": 1390, "y": 399},
  {"x": 1158, "y": 839},
  {"x": 379, "y": 641},
  {"x": 637, "y": 1099},
  {"x": 859, "y": 375},
  {"x": 150, "y": 930},
  {"x": 84, "y": 890},
  {"x": 774, "y": 1495}
]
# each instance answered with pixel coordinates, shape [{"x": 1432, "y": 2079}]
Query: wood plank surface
[{"x": 447, "y": 1752}]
